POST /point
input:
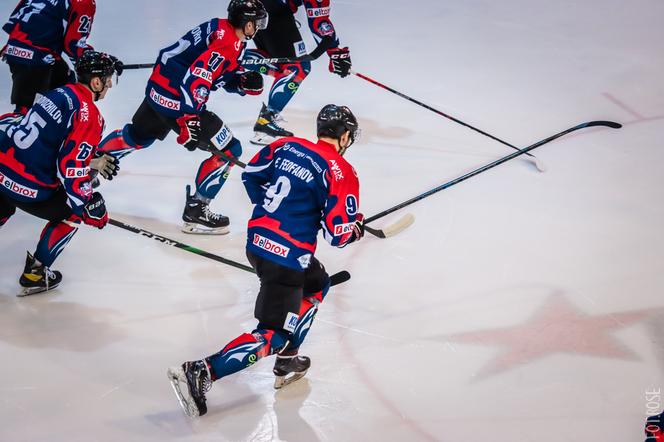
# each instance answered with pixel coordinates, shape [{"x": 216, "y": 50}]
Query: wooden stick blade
[{"x": 393, "y": 229}]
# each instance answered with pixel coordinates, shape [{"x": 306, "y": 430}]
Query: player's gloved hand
[
  {"x": 251, "y": 83},
  {"x": 117, "y": 64},
  {"x": 340, "y": 63},
  {"x": 94, "y": 212},
  {"x": 190, "y": 131},
  {"x": 357, "y": 230},
  {"x": 108, "y": 166}
]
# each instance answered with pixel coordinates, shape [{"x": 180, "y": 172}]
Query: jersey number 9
[{"x": 276, "y": 193}]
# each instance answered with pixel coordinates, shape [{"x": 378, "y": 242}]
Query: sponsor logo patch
[
  {"x": 203, "y": 73},
  {"x": 26, "y": 54},
  {"x": 342, "y": 229},
  {"x": 77, "y": 172},
  {"x": 318, "y": 12},
  {"x": 17, "y": 188},
  {"x": 163, "y": 101},
  {"x": 270, "y": 246},
  {"x": 291, "y": 322}
]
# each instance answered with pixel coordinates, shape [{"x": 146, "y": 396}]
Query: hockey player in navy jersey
[
  {"x": 297, "y": 188},
  {"x": 282, "y": 39},
  {"x": 57, "y": 138},
  {"x": 204, "y": 60},
  {"x": 40, "y": 33}
]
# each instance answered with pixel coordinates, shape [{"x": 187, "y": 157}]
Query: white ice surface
[{"x": 87, "y": 362}]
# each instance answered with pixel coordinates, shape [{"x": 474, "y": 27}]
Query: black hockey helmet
[
  {"x": 94, "y": 64},
  {"x": 240, "y": 12},
  {"x": 333, "y": 121}
]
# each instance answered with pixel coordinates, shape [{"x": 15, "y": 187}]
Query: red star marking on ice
[{"x": 556, "y": 327}]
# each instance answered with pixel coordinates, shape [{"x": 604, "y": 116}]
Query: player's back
[
  {"x": 37, "y": 25},
  {"x": 291, "y": 185},
  {"x": 29, "y": 149}
]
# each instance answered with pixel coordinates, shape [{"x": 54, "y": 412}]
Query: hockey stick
[
  {"x": 540, "y": 166},
  {"x": 386, "y": 232},
  {"x": 455, "y": 181},
  {"x": 335, "y": 279},
  {"x": 325, "y": 44}
]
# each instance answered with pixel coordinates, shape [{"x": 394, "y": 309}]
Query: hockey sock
[
  {"x": 212, "y": 175},
  {"x": 308, "y": 310},
  {"x": 121, "y": 142},
  {"x": 286, "y": 84},
  {"x": 54, "y": 238},
  {"x": 244, "y": 351}
]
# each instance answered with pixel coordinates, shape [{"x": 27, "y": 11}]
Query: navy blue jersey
[
  {"x": 41, "y": 30},
  {"x": 318, "y": 17},
  {"x": 298, "y": 188},
  {"x": 188, "y": 70},
  {"x": 52, "y": 146}
]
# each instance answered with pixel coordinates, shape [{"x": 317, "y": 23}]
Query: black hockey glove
[
  {"x": 357, "y": 230},
  {"x": 340, "y": 63},
  {"x": 107, "y": 165},
  {"x": 94, "y": 212},
  {"x": 190, "y": 131},
  {"x": 117, "y": 65},
  {"x": 251, "y": 83}
]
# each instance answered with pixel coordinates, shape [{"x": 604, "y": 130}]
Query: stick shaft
[
  {"x": 489, "y": 166},
  {"x": 436, "y": 111}
]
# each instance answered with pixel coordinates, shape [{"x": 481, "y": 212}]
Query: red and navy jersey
[
  {"x": 189, "y": 69},
  {"x": 318, "y": 16},
  {"x": 41, "y": 30},
  {"x": 52, "y": 146},
  {"x": 298, "y": 188}
]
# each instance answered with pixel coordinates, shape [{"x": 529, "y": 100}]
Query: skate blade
[
  {"x": 178, "y": 379},
  {"x": 261, "y": 139},
  {"x": 282, "y": 381},
  {"x": 197, "y": 229},
  {"x": 27, "y": 291}
]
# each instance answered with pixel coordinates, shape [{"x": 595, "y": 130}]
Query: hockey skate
[
  {"x": 288, "y": 368},
  {"x": 199, "y": 219},
  {"x": 266, "y": 129},
  {"x": 37, "y": 278},
  {"x": 191, "y": 381}
]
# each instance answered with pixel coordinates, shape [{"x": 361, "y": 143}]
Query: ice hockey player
[
  {"x": 282, "y": 39},
  {"x": 297, "y": 187},
  {"x": 39, "y": 34},
  {"x": 57, "y": 138},
  {"x": 205, "y": 59}
]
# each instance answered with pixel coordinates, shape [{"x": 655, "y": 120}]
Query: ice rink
[{"x": 521, "y": 306}]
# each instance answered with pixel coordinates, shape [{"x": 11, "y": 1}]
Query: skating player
[
  {"x": 203, "y": 60},
  {"x": 282, "y": 39},
  {"x": 57, "y": 138},
  {"x": 40, "y": 33},
  {"x": 298, "y": 188}
]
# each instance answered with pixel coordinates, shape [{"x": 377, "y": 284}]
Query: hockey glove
[
  {"x": 251, "y": 83},
  {"x": 340, "y": 63},
  {"x": 106, "y": 165},
  {"x": 190, "y": 131},
  {"x": 357, "y": 230},
  {"x": 117, "y": 65},
  {"x": 94, "y": 212}
]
